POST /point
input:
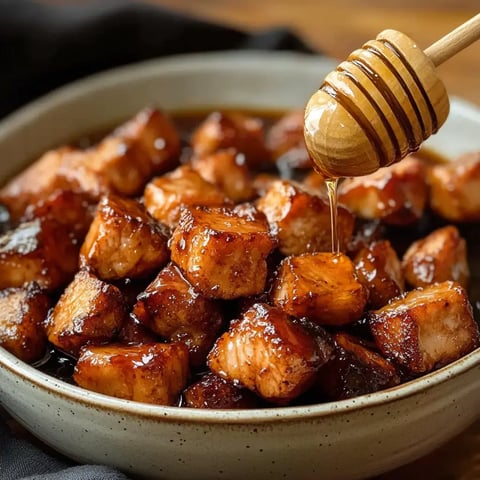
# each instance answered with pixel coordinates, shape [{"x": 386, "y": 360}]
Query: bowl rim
[
  {"x": 73, "y": 393},
  {"x": 91, "y": 399}
]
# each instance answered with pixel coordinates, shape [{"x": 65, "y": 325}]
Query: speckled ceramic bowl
[{"x": 343, "y": 440}]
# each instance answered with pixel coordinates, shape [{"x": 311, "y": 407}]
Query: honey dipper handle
[{"x": 455, "y": 41}]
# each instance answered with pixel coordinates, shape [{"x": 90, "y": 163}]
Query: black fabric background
[{"x": 43, "y": 47}]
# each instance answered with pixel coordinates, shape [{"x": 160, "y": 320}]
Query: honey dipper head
[{"x": 375, "y": 108}]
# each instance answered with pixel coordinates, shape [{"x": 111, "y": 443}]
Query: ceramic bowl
[{"x": 343, "y": 440}]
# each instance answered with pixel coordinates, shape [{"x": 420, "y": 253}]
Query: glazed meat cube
[
  {"x": 122, "y": 163},
  {"x": 379, "y": 270},
  {"x": 34, "y": 183},
  {"x": 22, "y": 331},
  {"x": 222, "y": 252},
  {"x": 133, "y": 332},
  {"x": 221, "y": 130},
  {"x": 263, "y": 181},
  {"x": 440, "y": 256},
  {"x": 286, "y": 141},
  {"x": 267, "y": 353},
  {"x": 455, "y": 188},
  {"x": 41, "y": 251},
  {"x": 227, "y": 170},
  {"x": 397, "y": 195},
  {"x": 212, "y": 391},
  {"x": 171, "y": 307},
  {"x": 155, "y": 373},
  {"x": 74, "y": 174},
  {"x": 131, "y": 288},
  {"x": 165, "y": 196},
  {"x": 323, "y": 339},
  {"x": 75, "y": 210},
  {"x": 366, "y": 232},
  {"x": 355, "y": 370},
  {"x": 322, "y": 287},
  {"x": 123, "y": 241},
  {"x": 302, "y": 220},
  {"x": 155, "y": 135},
  {"x": 426, "y": 328},
  {"x": 89, "y": 311},
  {"x": 315, "y": 182}
]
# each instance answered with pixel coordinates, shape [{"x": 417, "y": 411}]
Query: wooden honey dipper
[{"x": 381, "y": 103}]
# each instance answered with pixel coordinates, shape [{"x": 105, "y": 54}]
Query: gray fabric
[{"x": 20, "y": 460}]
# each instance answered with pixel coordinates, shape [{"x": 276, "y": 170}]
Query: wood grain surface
[{"x": 337, "y": 27}]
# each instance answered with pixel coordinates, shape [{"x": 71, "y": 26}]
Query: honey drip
[{"x": 332, "y": 184}]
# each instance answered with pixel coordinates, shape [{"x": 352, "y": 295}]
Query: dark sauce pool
[{"x": 61, "y": 366}]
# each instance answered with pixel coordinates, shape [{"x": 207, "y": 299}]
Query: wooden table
[{"x": 337, "y": 27}]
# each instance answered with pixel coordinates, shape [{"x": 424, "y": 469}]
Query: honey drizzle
[{"x": 332, "y": 184}]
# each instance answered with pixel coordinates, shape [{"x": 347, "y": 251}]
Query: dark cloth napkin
[{"x": 43, "y": 47}]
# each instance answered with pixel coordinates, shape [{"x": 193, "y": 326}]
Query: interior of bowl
[{"x": 254, "y": 81}]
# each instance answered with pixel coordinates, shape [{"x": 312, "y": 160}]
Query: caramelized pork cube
[
  {"x": 34, "y": 183},
  {"x": 75, "y": 210},
  {"x": 123, "y": 241},
  {"x": 302, "y": 220},
  {"x": 155, "y": 135},
  {"x": 322, "y": 287},
  {"x": 267, "y": 353},
  {"x": 315, "y": 182},
  {"x": 171, "y": 307},
  {"x": 286, "y": 141},
  {"x": 426, "y": 328},
  {"x": 263, "y": 181},
  {"x": 155, "y": 373},
  {"x": 440, "y": 256},
  {"x": 397, "y": 195},
  {"x": 134, "y": 332},
  {"x": 380, "y": 271},
  {"x": 89, "y": 311},
  {"x": 165, "y": 196},
  {"x": 212, "y": 391},
  {"x": 227, "y": 170},
  {"x": 455, "y": 188},
  {"x": 355, "y": 370},
  {"x": 74, "y": 174},
  {"x": 323, "y": 339},
  {"x": 41, "y": 251},
  {"x": 22, "y": 331},
  {"x": 222, "y": 252},
  {"x": 131, "y": 288},
  {"x": 122, "y": 162},
  {"x": 366, "y": 232},
  {"x": 221, "y": 130}
]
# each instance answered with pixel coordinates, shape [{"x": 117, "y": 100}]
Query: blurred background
[{"x": 336, "y": 27}]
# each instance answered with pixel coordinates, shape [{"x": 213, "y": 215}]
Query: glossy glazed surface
[{"x": 342, "y": 440}]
